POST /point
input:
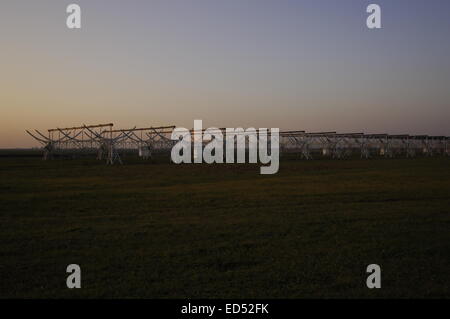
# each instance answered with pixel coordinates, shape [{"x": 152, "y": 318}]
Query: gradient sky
[{"x": 307, "y": 65}]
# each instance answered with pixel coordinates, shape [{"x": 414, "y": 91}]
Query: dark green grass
[{"x": 163, "y": 230}]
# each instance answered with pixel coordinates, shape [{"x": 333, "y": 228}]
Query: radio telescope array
[
  {"x": 103, "y": 140},
  {"x": 109, "y": 143},
  {"x": 338, "y": 145}
]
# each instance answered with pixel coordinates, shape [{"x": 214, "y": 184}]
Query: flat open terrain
[{"x": 163, "y": 230}]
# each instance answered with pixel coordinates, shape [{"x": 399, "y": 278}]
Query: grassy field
[{"x": 162, "y": 230}]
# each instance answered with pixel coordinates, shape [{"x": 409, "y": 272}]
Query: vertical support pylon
[{"x": 365, "y": 152}]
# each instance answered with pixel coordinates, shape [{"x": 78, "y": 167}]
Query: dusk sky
[{"x": 306, "y": 65}]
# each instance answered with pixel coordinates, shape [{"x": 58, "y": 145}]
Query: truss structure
[
  {"x": 147, "y": 141},
  {"x": 339, "y": 146},
  {"x": 103, "y": 140},
  {"x": 70, "y": 140},
  {"x": 108, "y": 143}
]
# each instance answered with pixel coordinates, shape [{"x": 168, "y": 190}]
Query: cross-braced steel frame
[
  {"x": 103, "y": 140},
  {"x": 340, "y": 146},
  {"x": 109, "y": 143}
]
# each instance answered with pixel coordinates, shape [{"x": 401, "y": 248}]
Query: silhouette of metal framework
[
  {"x": 341, "y": 145},
  {"x": 109, "y": 143},
  {"x": 103, "y": 140}
]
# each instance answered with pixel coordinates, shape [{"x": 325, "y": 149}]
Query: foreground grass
[{"x": 162, "y": 230}]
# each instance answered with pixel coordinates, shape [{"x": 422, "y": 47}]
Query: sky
[{"x": 293, "y": 64}]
